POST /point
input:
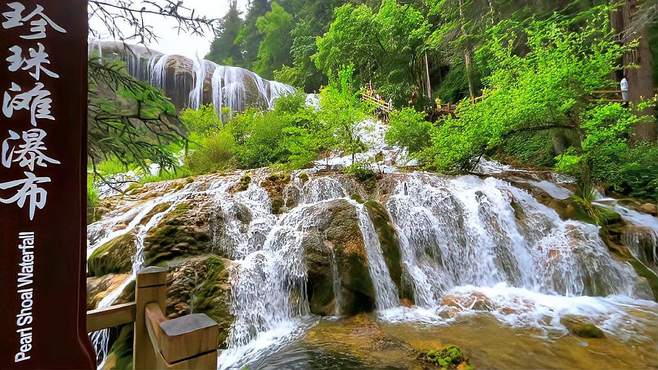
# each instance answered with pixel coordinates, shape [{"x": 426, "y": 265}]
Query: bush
[
  {"x": 408, "y": 129},
  {"x": 215, "y": 152},
  {"x": 202, "y": 120},
  {"x": 545, "y": 88},
  {"x": 361, "y": 171}
]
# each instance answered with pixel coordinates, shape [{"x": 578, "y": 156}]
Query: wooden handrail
[
  {"x": 182, "y": 339},
  {"x": 110, "y": 317},
  {"x": 189, "y": 342}
]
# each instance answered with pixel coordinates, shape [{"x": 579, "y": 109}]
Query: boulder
[
  {"x": 99, "y": 287},
  {"x": 649, "y": 208},
  {"x": 201, "y": 285},
  {"x": 275, "y": 185},
  {"x": 474, "y": 301},
  {"x": 113, "y": 257},
  {"x": 580, "y": 327},
  {"x": 183, "y": 232},
  {"x": 336, "y": 247}
]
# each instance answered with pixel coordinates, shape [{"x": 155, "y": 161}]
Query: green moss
[
  {"x": 244, "y": 183},
  {"x": 642, "y": 270},
  {"x": 357, "y": 198},
  {"x": 175, "y": 236},
  {"x": 120, "y": 356},
  {"x": 449, "y": 357},
  {"x": 157, "y": 209},
  {"x": 277, "y": 205},
  {"x": 304, "y": 178},
  {"x": 113, "y": 257},
  {"x": 212, "y": 296},
  {"x": 582, "y": 328},
  {"x": 275, "y": 184}
]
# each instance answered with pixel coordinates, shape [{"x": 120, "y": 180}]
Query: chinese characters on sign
[
  {"x": 27, "y": 149},
  {"x": 43, "y": 133}
]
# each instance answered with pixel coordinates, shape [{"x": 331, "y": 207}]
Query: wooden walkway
[{"x": 188, "y": 342}]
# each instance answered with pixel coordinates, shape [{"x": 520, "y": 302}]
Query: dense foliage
[{"x": 534, "y": 68}]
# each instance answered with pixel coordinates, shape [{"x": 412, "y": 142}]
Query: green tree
[
  {"x": 546, "y": 87},
  {"x": 385, "y": 47},
  {"x": 249, "y": 38},
  {"x": 129, "y": 120},
  {"x": 341, "y": 109},
  {"x": 274, "y": 51},
  {"x": 224, "y": 49}
]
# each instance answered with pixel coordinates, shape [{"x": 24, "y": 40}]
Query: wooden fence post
[{"x": 151, "y": 287}]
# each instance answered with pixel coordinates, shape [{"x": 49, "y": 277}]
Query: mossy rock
[
  {"x": 580, "y": 327},
  {"x": 183, "y": 232},
  {"x": 156, "y": 210},
  {"x": 338, "y": 240},
  {"x": 120, "y": 356},
  {"x": 448, "y": 357},
  {"x": 642, "y": 270},
  {"x": 390, "y": 243},
  {"x": 113, "y": 257},
  {"x": 99, "y": 287},
  {"x": 243, "y": 185},
  {"x": 275, "y": 185},
  {"x": 201, "y": 285}
]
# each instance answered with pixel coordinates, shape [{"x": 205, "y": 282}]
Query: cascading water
[
  {"x": 158, "y": 70},
  {"x": 479, "y": 243},
  {"x": 100, "y": 233},
  {"x": 233, "y": 88},
  {"x": 468, "y": 231},
  {"x": 269, "y": 283},
  {"x": 196, "y": 95}
]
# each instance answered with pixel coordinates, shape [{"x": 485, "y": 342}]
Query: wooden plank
[
  {"x": 182, "y": 338},
  {"x": 110, "y": 317},
  {"x": 188, "y": 336},
  {"x": 152, "y": 276}
]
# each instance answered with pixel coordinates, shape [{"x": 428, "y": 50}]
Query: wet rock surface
[
  {"x": 201, "y": 285},
  {"x": 115, "y": 256},
  {"x": 182, "y": 232},
  {"x": 337, "y": 241}
]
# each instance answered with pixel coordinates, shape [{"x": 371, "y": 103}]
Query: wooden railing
[
  {"x": 188, "y": 342},
  {"x": 380, "y": 104}
]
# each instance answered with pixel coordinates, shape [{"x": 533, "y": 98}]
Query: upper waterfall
[{"x": 191, "y": 83}]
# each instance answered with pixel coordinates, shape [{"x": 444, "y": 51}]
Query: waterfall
[
  {"x": 643, "y": 238},
  {"x": 158, "y": 70},
  {"x": 336, "y": 286},
  {"x": 233, "y": 88},
  {"x": 100, "y": 235},
  {"x": 468, "y": 231},
  {"x": 196, "y": 95},
  {"x": 386, "y": 294}
]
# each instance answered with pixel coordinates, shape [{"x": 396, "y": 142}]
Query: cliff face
[{"x": 192, "y": 83}]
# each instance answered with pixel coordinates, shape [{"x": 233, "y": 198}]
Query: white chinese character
[
  {"x": 37, "y": 101},
  {"x": 38, "y": 57},
  {"x": 29, "y": 189},
  {"x": 38, "y": 21},
  {"x": 29, "y": 153}
]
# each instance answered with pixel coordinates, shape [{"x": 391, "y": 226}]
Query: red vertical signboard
[{"x": 43, "y": 94}]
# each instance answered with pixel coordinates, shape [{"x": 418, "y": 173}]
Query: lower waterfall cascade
[{"x": 467, "y": 245}]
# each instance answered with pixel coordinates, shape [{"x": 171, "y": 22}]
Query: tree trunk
[
  {"x": 468, "y": 59},
  {"x": 428, "y": 84},
  {"x": 638, "y": 65}
]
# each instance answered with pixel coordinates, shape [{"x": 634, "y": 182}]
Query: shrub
[
  {"x": 408, "y": 129},
  {"x": 214, "y": 152}
]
